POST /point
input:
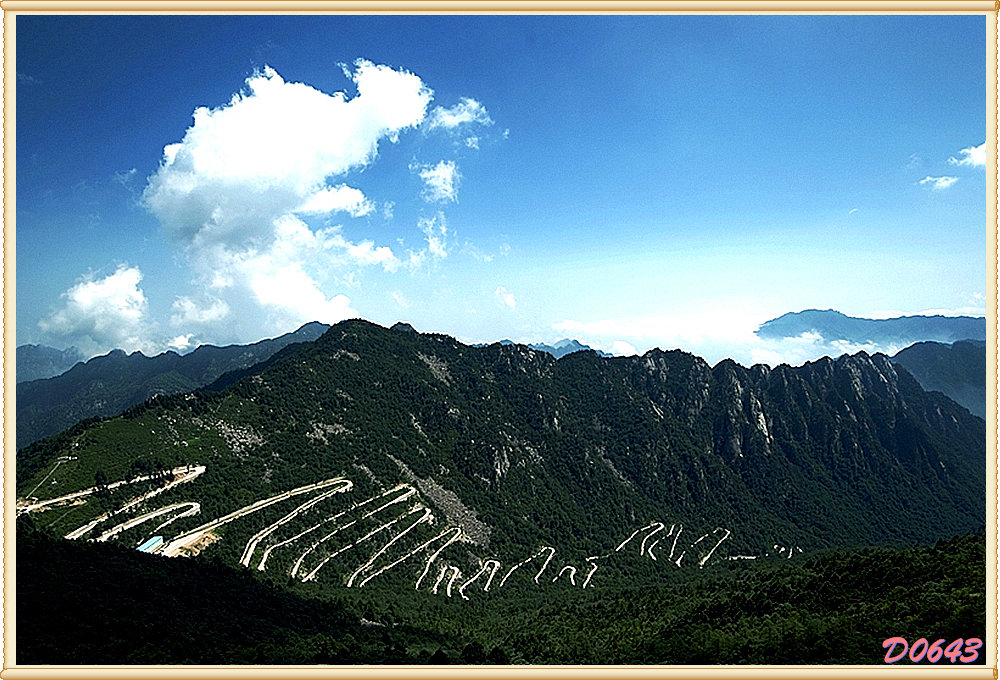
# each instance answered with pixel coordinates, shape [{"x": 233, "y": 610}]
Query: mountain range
[
  {"x": 561, "y": 348},
  {"x": 899, "y": 332},
  {"x": 411, "y": 476},
  {"x": 573, "y": 450},
  {"x": 109, "y": 384}
]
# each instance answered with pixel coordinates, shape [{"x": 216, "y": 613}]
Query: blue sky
[{"x": 632, "y": 182}]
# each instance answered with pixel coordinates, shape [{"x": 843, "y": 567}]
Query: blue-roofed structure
[{"x": 151, "y": 545}]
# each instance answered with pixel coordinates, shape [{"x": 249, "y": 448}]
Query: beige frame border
[{"x": 12, "y": 8}]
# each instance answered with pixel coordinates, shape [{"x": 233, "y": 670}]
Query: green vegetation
[{"x": 835, "y": 607}]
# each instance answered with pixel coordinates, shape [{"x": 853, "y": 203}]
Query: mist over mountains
[
  {"x": 35, "y": 362},
  {"x": 561, "y": 348},
  {"x": 107, "y": 385}
]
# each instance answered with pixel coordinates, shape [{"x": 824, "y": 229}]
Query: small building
[{"x": 152, "y": 545}]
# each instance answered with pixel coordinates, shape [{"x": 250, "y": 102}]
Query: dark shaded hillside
[
  {"x": 957, "y": 370},
  {"x": 901, "y": 331},
  {"x": 836, "y": 607},
  {"x": 104, "y": 604},
  {"x": 109, "y": 384}
]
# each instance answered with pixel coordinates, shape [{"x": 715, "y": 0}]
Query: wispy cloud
[
  {"x": 974, "y": 156},
  {"x": 436, "y": 230},
  {"x": 937, "y": 183},
  {"x": 506, "y": 297},
  {"x": 440, "y": 181},
  {"x": 467, "y": 111},
  {"x": 188, "y": 312}
]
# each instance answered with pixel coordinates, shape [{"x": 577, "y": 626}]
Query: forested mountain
[
  {"x": 375, "y": 462},
  {"x": 957, "y": 370},
  {"x": 35, "y": 362},
  {"x": 109, "y": 384},
  {"x": 898, "y": 332}
]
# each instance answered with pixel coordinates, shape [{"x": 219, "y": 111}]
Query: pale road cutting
[{"x": 180, "y": 542}]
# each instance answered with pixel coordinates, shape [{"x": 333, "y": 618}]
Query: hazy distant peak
[{"x": 832, "y": 325}]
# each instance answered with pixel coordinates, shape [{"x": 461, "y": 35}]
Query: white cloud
[
  {"x": 472, "y": 143},
  {"x": 440, "y": 181},
  {"x": 973, "y": 155},
  {"x": 341, "y": 198},
  {"x": 271, "y": 149},
  {"x": 102, "y": 313},
  {"x": 711, "y": 335},
  {"x": 505, "y": 297},
  {"x": 622, "y": 348},
  {"x": 400, "y": 300},
  {"x": 181, "y": 342},
  {"x": 124, "y": 177},
  {"x": 289, "y": 291},
  {"x": 937, "y": 183},
  {"x": 436, "y": 231},
  {"x": 467, "y": 111},
  {"x": 187, "y": 311},
  {"x": 230, "y": 190}
]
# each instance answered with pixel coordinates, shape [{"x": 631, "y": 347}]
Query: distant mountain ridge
[
  {"x": 109, "y": 384},
  {"x": 561, "y": 348},
  {"x": 35, "y": 362},
  {"x": 899, "y": 332}
]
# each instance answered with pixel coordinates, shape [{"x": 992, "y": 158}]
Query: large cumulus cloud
[{"x": 235, "y": 190}]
